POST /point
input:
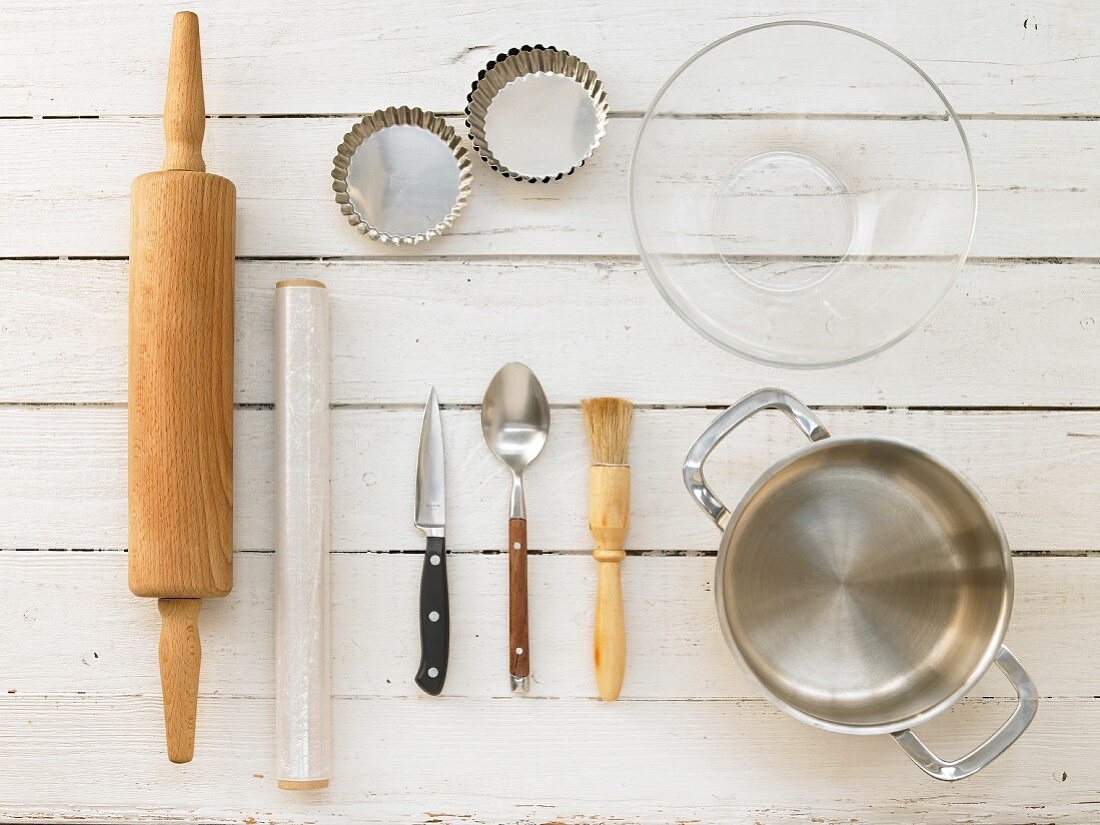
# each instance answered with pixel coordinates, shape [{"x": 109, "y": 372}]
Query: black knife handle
[{"x": 435, "y": 620}]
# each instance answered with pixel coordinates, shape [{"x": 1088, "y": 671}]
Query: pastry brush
[{"x": 608, "y": 421}]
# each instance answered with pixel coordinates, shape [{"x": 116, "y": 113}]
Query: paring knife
[{"x": 430, "y": 516}]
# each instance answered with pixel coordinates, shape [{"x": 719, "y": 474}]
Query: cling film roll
[{"x": 302, "y": 695}]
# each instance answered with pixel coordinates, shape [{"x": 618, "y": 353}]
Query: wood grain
[
  {"x": 184, "y": 108},
  {"x": 1038, "y": 188},
  {"x": 64, "y": 475},
  {"x": 608, "y": 628},
  {"x": 180, "y": 657},
  {"x": 676, "y": 650},
  {"x": 65, "y": 336},
  {"x": 519, "y": 646},
  {"x": 988, "y": 56},
  {"x": 180, "y": 406},
  {"x": 735, "y": 761},
  {"x": 609, "y": 521},
  {"x": 181, "y": 386},
  {"x": 181, "y": 323}
]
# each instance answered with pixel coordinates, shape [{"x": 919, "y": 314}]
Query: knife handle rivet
[
  {"x": 434, "y": 560},
  {"x": 519, "y": 651},
  {"x": 433, "y": 616},
  {"x": 433, "y": 672},
  {"x": 516, "y": 546}
]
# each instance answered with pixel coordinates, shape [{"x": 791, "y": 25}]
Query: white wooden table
[{"x": 1001, "y": 381}]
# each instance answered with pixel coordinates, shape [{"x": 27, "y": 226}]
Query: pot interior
[{"x": 864, "y": 583}]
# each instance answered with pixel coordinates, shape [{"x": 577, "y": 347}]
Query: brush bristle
[{"x": 608, "y": 421}]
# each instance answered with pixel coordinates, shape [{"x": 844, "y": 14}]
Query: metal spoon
[{"x": 515, "y": 418}]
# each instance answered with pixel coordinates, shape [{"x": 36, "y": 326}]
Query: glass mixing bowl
[{"x": 802, "y": 194}]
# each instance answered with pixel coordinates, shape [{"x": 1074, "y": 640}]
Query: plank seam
[
  {"x": 579, "y": 553},
  {"x": 404, "y": 406},
  {"x": 535, "y": 257},
  {"x": 98, "y": 696},
  {"x": 622, "y": 114}
]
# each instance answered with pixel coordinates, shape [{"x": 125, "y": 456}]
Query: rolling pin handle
[
  {"x": 180, "y": 655},
  {"x": 184, "y": 106}
]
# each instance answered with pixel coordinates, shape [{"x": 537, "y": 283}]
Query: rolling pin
[{"x": 181, "y": 387}]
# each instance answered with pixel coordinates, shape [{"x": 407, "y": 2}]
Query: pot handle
[
  {"x": 769, "y": 398},
  {"x": 995, "y": 745}
]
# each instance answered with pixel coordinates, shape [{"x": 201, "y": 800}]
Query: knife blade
[{"x": 430, "y": 516}]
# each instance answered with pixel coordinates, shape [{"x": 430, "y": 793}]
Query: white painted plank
[
  {"x": 578, "y": 762},
  {"x": 674, "y": 641},
  {"x": 63, "y": 472},
  {"x": 327, "y": 57},
  {"x": 1039, "y": 186},
  {"x": 1008, "y": 334}
]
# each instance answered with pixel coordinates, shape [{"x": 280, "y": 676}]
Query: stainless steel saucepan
[{"x": 863, "y": 585}]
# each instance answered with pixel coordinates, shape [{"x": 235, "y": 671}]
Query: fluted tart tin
[
  {"x": 401, "y": 176},
  {"x": 536, "y": 113}
]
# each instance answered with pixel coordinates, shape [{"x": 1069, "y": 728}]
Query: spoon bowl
[{"x": 515, "y": 417}]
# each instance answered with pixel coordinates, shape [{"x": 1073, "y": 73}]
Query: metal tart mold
[
  {"x": 401, "y": 176},
  {"x": 536, "y": 113}
]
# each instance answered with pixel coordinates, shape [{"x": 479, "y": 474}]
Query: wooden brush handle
[
  {"x": 519, "y": 654},
  {"x": 180, "y": 654},
  {"x": 609, "y": 638},
  {"x": 609, "y": 520},
  {"x": 184, "y": 106}
]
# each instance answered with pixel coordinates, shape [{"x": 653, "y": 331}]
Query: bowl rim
[
  {"x": 981, "y": 666},
  {"x": 651, "y": 267}
]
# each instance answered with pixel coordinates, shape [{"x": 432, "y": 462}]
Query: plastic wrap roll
[{"x": 302, "y": 701}]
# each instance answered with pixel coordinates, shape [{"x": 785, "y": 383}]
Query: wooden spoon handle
[
  {"x": 519, "y": 654},
  {"x": 184, "y": 106},
  {"x": 180, "y": 655}
]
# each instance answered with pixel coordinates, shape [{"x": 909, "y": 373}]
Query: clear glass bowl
[{"x": 802, "y": 194}]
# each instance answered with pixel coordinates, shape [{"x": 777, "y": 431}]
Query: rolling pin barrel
[{"x": 181, "y": 388}]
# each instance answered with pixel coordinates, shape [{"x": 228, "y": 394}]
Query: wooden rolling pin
[{"x": 181, "y": 387}]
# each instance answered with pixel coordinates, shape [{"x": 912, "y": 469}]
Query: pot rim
[{"x": 981, "y": 666}]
